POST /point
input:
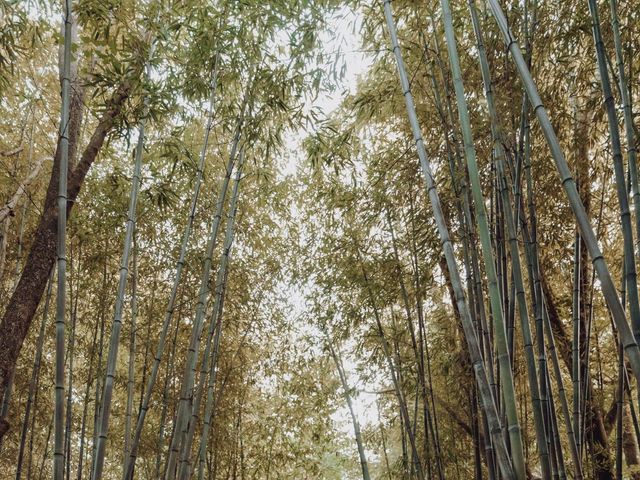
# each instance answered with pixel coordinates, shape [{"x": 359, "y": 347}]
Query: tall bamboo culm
[
  {"x": 630, "y": 133},
  {"x": 59, "y": 420},
  {"x": 500, "y": 336},
  {"x": 618, "y": 167},
  {"x": 215, "y": 327},
  {"x": 182, "y": 415},
  {"x": 34, "y": 383},
  {"x": 484, "y": 389}
]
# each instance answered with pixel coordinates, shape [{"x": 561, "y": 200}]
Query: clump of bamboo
[{"x": 484, "y": 388}]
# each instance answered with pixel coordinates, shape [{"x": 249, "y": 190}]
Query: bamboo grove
[{"x": 319, "y": 240}]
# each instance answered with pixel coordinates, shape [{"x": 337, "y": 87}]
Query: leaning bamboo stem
[
  {"x": 144, "y": 408},
  {"x": 335, "y": 354},
  {"x": 394, "y": 372},
  {"x": 194, "y": 345},
  {"x": 632, "y": 151},
  {"x": 484, "y": 388},
  {"x": 618, "y": 167},
  {"x": 215, "y": 324},
  {"x": 114, "y": 342}
]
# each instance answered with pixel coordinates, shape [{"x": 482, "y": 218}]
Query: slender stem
[
  {"x": 59, "y": 420},
  {"x": 144, "y": 408},
  {"x": 114, "y": 342}
]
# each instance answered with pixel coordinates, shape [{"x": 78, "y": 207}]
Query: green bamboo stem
[
  {"x": 621, "y": 186},
  {"x": 116, "y": 329},
  {"x": 165, "y": 404},
  {"x": 132, "y": 354},
  {"x": 215, "y": 325},
  {"x": 395, "y": 374},
  {"x": 484, "y": 388},
  {"x": 35, "y": 380},
  {"x": 575, "y": 351},
  {"x": 500, "y": 337},
  {"x": 184, "y": 405},
  {"x": 532, "y": 253},
  {"x": 632, "y": 151},
  {"x": 73, "y": 302},
  {"x": 59, "y": 420}
]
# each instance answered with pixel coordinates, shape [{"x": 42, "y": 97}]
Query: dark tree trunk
[{"x": 26, "y": 297}]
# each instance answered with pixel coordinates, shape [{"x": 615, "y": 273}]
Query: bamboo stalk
[
  {"x": 194, "y": 345},
  {"x": 132, "y": 353},
  {"x": 59, "y": 420},
  {"x": 35, "y": 381},
  {"x": 500, "y": 337},
  {"x": 130, "y": 463},
  {"x": 618, "y": 167},
  {"x": 215, "y": 324},
  {"x": 114, "y": 341},
  {"x": 632, "y": 152}
]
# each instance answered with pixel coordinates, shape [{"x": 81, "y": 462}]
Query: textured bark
[{"x": 26, "y": 297}]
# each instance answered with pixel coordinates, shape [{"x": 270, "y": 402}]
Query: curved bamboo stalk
[{"x": 484, "y": 388}]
